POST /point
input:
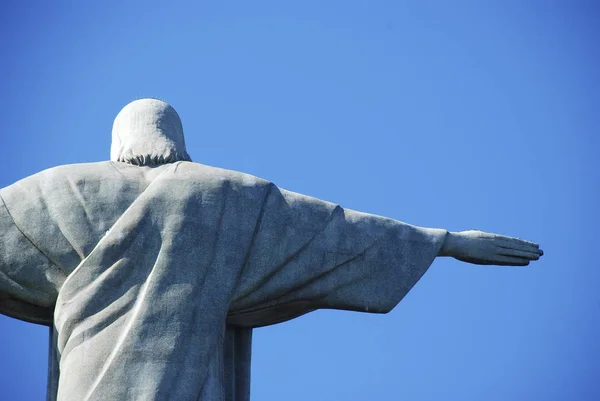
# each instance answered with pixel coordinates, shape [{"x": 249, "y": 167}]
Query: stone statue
[{"x": 152, "y": 270}]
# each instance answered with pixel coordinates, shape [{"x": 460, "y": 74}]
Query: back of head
[{"x": 148, "y": 132}]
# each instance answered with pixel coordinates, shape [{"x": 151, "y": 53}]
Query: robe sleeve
[
  {"x": 307, "y": 254},
  {"x": 29, "y": 281}
]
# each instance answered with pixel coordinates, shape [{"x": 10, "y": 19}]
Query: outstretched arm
[{"x": 483, "y": 248}]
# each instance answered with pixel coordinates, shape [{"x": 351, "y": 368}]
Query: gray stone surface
[{"x": 152, "y": 271}]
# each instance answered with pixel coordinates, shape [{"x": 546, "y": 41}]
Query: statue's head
[{"x": 148, "y": 132}]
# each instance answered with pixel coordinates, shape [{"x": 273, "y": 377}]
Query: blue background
[{"x": 442, "y": 114}]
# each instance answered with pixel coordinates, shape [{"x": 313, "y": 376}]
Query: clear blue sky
[{"x": 440, "y": 114}]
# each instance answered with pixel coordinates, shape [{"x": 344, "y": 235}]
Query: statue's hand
[{"x": 490, "y": 249}]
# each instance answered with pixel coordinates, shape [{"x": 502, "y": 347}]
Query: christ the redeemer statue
[{"x": 152, "y": 270}]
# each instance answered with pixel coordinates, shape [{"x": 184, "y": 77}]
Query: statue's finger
[
  {"x": 518, "y": 241},
  {"x": 520, "y": 245},
  {"x": 519, "y": 253},
  {"x": 502, "y": 260}
]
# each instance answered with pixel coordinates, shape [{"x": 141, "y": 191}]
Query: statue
[{"x": 152, "y": 270}]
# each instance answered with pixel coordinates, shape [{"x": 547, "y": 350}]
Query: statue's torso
[{"x": 149, "y": 278}]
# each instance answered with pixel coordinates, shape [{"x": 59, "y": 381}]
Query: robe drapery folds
[{"x": 153, "y": 277}]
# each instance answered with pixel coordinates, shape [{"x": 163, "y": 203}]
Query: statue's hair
[
  {"x": 148, "y": 132},
  {"x": 170, "y": 156}
]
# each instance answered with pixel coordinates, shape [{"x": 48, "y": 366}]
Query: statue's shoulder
[
  {"x": 189, "y": 174},
  {"x": 207, "y": 174},
  {"x": 68, "y": 172}
]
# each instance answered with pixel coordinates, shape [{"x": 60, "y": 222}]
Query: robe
[{"x": 152, "y": 278}]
